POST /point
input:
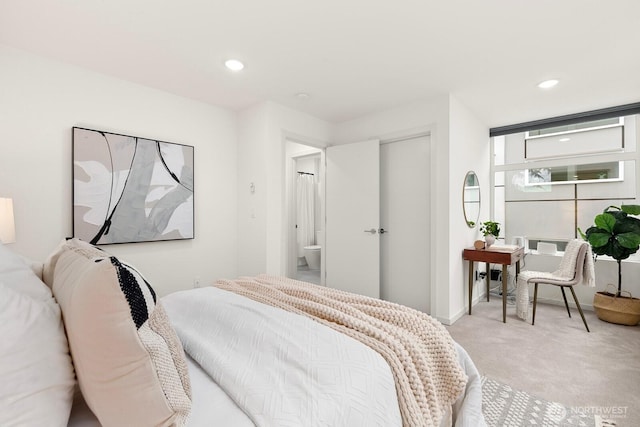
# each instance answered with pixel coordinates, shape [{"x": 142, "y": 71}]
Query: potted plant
[
  {"x": 490, "y": 230},
  {"x": 616, "y": 233}
]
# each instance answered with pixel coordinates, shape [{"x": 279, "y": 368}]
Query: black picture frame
[{"x": 129, "y": 189}]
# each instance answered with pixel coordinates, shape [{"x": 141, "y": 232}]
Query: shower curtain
[{"x": 305, "y": 208}]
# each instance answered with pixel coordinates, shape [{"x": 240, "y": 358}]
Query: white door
[
  {"x": 353, "y": 217},
  {"x": 404, "y": 215}
]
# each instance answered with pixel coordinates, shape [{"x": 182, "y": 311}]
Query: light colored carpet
[{"x": 557, "y": 359}]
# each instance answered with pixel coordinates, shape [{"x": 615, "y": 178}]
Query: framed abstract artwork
[{"x": 129, "y": 189}]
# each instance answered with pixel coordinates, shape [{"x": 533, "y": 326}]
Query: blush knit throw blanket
[{"x": 419, "y": 350}]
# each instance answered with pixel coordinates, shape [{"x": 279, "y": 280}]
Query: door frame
[
  {"x": 291, "y": 258},
  {"x": 429, "y": 129}
]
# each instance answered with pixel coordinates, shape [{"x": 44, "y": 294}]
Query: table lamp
[{"x": 7, "y": 225}]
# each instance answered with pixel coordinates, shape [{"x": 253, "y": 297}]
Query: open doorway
[{"x": 305, "y": 222}]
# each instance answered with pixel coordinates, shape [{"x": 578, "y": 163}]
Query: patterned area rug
[{"x": 504, "y": 406}]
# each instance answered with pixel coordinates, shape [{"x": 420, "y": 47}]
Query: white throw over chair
[{"x": 575, "y": 265}]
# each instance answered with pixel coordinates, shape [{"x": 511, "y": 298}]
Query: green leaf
[
  {"x": 618, "y": 252},
  {"x": 631, "y": 209},
  {"x": 629, "y": 240},
  {"x": 598, "y": 238},
  {"x": 605, "y": 221},
  {"x": 627, "y": 224}
]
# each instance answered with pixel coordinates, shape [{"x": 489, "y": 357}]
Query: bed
[{"x": 265, "y": 351}]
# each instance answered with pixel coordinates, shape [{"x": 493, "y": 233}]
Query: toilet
[{"x": 312, "y": 255}]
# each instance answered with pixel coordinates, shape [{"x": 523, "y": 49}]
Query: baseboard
[
  {"x": 452, "y": 319},
  {"x": 482, "y": 297},
  {"x": 561, "y": 303}
]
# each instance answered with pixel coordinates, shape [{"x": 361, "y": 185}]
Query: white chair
[{"x": 575, "y": 255}]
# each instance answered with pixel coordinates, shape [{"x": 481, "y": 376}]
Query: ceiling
[{"x": 352, "y": 57}]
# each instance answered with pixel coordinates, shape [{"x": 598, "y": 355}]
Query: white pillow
[
  {"x": 35, "y": 266},
  {"x": 16, "y": 274},
  {"x": 37, "y": 375}
]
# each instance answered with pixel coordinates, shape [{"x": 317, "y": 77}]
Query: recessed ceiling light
[
  {"x": 233, "y": 64},
  {"x": 548, "y": 84},
  {"x": 564, "y": 139}
]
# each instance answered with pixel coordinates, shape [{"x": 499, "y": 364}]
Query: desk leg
[
  {"x": 470, "y": 285},
  {"x": 487, "y": 271},
  {"x": 504, "y": 293}
]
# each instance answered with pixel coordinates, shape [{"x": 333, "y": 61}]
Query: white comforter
[
  {"x": 283, "y": 369},
  {"x": 280, "y": 368},
  {"x": 246, "y": 337}
]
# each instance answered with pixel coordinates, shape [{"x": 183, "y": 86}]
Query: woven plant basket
[{"x": 621, "y": 310}]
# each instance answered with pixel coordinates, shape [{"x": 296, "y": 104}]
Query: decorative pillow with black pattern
[{"x": 130, "y": 364}]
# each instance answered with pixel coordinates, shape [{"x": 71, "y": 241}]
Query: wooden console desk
[{"x": 505, "y": 255}]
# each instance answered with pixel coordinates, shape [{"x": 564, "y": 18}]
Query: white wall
[
  {"x": 469, "y": 150},
  {"x": 410, "y": 119},
  {"x": 252, "y": 206},
  {"x": 41, "y": 100},
  {"x": 261, "y": 152},
  {"x": 237, "y": 232},
  {"x": 459, "y": 142}
]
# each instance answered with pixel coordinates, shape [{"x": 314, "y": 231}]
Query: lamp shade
[{"x": 7, "y": 225}]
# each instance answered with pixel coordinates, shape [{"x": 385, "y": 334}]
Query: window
[
  {"x": 570, "y": 143},
  {"x": 594, "y": 124},
  {"x": 590, "y": 173},
  {"x": 548, "y": 183}
]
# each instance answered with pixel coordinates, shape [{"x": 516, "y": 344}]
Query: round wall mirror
[{"x": 471, "y": 199}]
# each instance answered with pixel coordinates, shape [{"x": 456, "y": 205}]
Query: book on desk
[{"x": 502, "y": 248}]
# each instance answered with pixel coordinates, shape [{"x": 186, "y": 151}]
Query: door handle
[
  {"x": 372, "y": 231},
  {"x": 382, "y": 231}
]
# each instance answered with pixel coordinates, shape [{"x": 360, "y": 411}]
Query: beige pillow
[
  {"x": 129, "y": 362},
  {"x": 50, "y": 264}
]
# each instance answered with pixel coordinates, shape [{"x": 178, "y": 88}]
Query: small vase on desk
[{"x": 489, "y": 239}]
